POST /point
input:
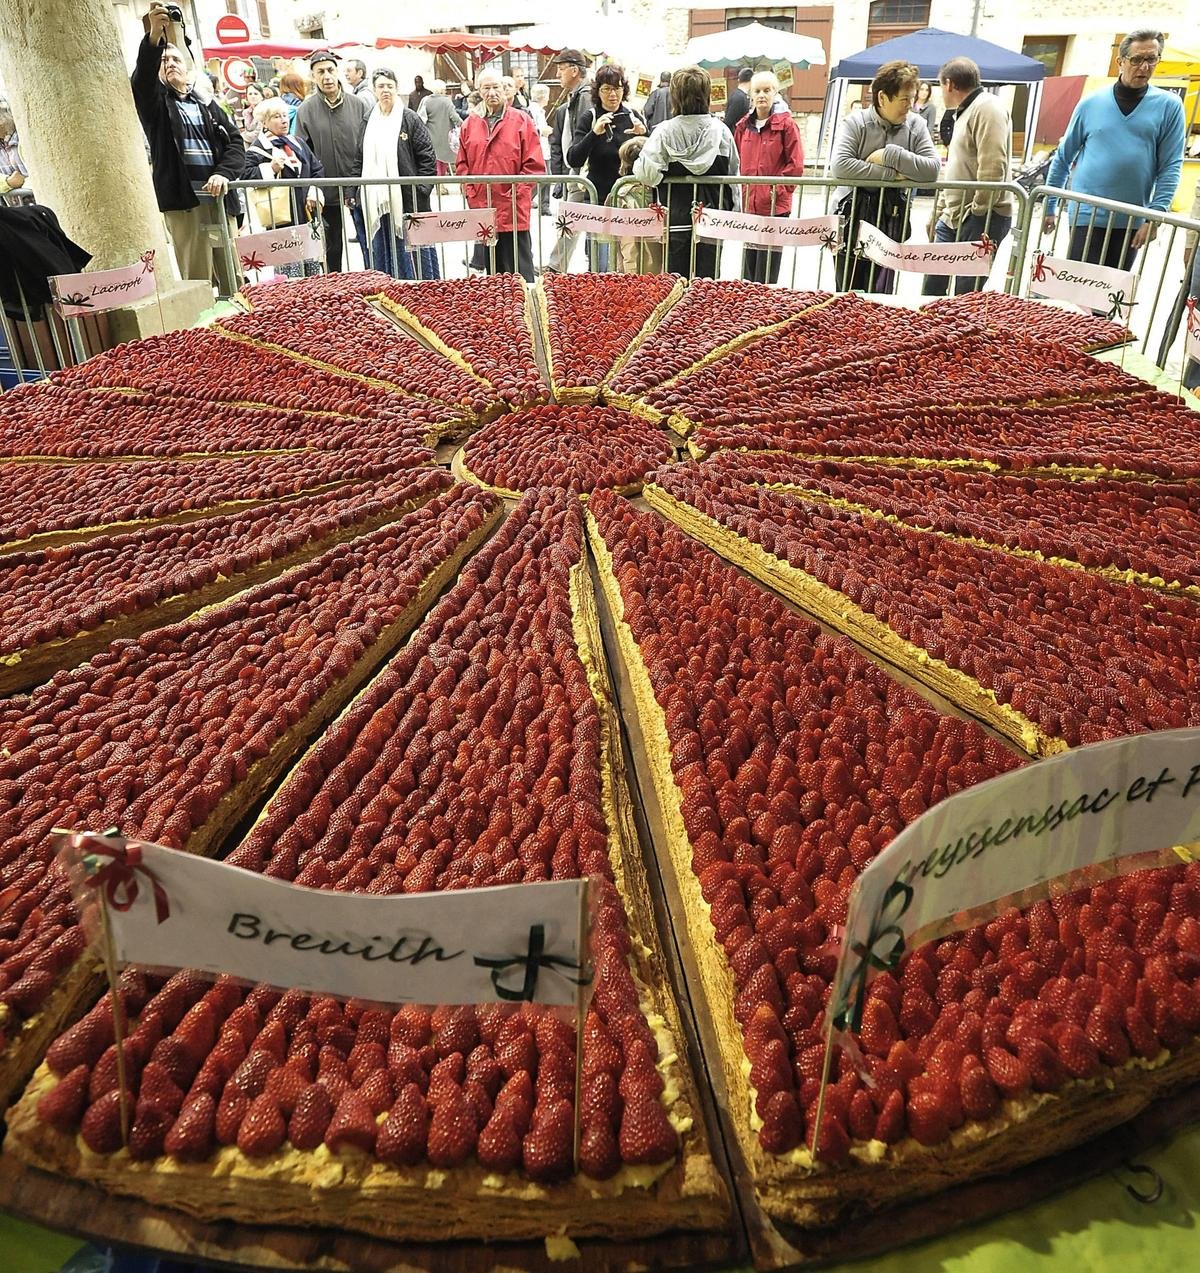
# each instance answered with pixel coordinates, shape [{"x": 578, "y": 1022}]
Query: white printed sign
[
  {"x": 280, "y": 247},
  {"x": 1093, "y": 287},
  {"x": 79, "y": 294},
  {"x": 595, "y": 218},
  {"x": 1191, "y": 330},
  {"x": 968, "y": 257},
  {"x": 770, "y": 232},
  {"x": 169, "y": 909},
  {"x": 469, "y": 226},
  {"x": 1008, "y": 838}
]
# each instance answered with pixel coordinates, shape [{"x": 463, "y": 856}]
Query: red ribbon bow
[
  {"x": 697, "y": 213},
  {"x": 147, "y": 260},
  {"x": 1040, "y": 268},
  {"x": 984, "y": 246},
  {"x": 659, "y": 211},
  {"x": 252, "y": 262},
  {"x": 485, "y": 234},
  {"x": 1193, "y": 320},
  {"x": 118, "y": 876}
]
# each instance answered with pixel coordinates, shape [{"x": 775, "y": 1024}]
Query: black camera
[{"x": 174, "y": 12}]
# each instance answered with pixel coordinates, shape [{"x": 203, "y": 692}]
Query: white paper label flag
[
  {"x": 468, "y": 226},
  {"x": 1191, "y": 338},
  {"x": 770, "y": 232},
  {"x": 967, "y": 257},
  {"x": 1013, "y": 835},
  {"x": 1093, "y": 287},
  {"x": 79, "y": 294},
  {"x": 280, "y": 247},
  {"x": 595, "y": 218},
  {"x": 173, "y": 910}
]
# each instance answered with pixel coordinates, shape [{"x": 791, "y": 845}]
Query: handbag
[{"x": 272, "y": 205}]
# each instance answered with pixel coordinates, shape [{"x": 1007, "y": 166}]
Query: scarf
[
  {"x": 268, "y": 142},
  {"x": 380, "y": 144}
]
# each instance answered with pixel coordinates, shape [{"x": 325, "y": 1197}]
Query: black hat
[
  {"x": 322, "y": 55},
  {"x": 571, "y": 56}
]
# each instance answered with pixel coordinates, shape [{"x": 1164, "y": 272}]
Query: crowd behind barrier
[{"x": 1153, "y": 312}]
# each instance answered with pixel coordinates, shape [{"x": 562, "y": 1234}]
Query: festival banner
[
  {"x": 79, "y": 294},
  {"x": 595, "y": 218},
  {"x": 472, "y": 225},
  {"x": 968, "y": 257},
  {"x": 1098, "y": 288},
  {"x": 280, "y": 247},
  {"x": 1060, "y": 823},
  {"x": 167, "y": 909},
  {"x": 770, "y": 232}
]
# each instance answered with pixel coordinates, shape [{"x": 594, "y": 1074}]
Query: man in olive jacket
[{"x": 195, "y": 151}]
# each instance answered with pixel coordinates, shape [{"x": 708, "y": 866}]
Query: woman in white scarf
[{"x": 396, "y": 144}]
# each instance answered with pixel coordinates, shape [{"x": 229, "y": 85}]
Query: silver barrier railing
[
  {"x": 34, "y": 316},
  {"x": 891, "y": 205},
  {"x": 1107, "y": 232},
  {"x": 387, "y": 248}
]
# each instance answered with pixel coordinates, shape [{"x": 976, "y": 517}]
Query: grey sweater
[
  {"x": 908, "y": 151},
  {"x": 335, "y": 135}
]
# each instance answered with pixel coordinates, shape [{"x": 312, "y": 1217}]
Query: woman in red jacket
[{"x": 769, "y": 145}]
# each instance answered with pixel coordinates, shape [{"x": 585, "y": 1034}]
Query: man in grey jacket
[
  {"x": 575, "y": 103},
  {"x": 333, "y": 121}
]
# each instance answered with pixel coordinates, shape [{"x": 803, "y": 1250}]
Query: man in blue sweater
[{"x": 1125, "y": 144}]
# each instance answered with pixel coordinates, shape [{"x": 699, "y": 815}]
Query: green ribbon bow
[
  {"x": 1117, "y": 302},
  {"x": 885, "y": 931},
  {"x": 532, "y": 961}
]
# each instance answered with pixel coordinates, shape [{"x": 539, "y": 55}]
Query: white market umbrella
[{"x": 743, "y": 46}]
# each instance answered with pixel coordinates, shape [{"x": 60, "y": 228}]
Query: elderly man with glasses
[{"x": 1126, "y": 144}]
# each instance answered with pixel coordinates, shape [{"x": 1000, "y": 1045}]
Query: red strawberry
[
  {"x": 404, "y": 1064},
  {"x": 101, "y": 1124},
  {"x": 1141, "y": 1034},
  {"x": 230, "y": 1111},
  {"x": 148, "y": 1133},
  {"x": 1105, "y": 1033},
  {"x": 452, "y": 1129},
  {"x": 879, "y": 1029},
  {"x": 979, "y": 1097},
  {"x": 927, "y": 1118},
  {"x": 284, "y": 1086},
  {"x": 499, "y": 1147},
  {"x": 862, "y": 1115},
  {"x": 600, "y": 1099},
  {"x": 263, "y": 1129},
  {"x": 158, "y": 1089},
  {"x": 516, "y": 1098},
  {"x": 175, "y": 1060},
  {"x": 377, "y": 1091},
  {"x": 1045, "y": 1069},
  {"x": 646, "y": 1133},
  {"x": 599, "y": 1153},
  {"x": 63, "y": 1105},
  {"x": 890, "y": 1126},
  {"x": 548, "y": 1147},
  {"x": 834, "y": 1146},
  {"x": 483, "y": 1067},
  {"x": 251, "y": 1076},
  {"x": 1077, "y": 1052},
  {"x": 517, "y": 1054},
  {"x": 352, "y": 1124},
  {"x": 191, "y": 1136},
  {"x": 401, "y": 1139},
  {"x": 82, "y": 1044},
  {"x": 1009, "y": 1073},
  {"x": 310, "y": 1118},
  {"x": 783, "y": 1126}
]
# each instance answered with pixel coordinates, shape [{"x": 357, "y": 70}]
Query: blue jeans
[
  {"x": 389, "y": 254},
  {"x": 969, "y": 229}
]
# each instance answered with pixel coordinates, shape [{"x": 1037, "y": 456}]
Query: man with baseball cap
[
  {"x": 332, "y": 122},
  {"x": 575, "y": 102}
]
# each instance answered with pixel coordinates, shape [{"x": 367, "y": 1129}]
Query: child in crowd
[{"x": 636, "y": 256}]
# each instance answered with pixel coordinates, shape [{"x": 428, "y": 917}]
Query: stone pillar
[{"x": 83, "y": 143}]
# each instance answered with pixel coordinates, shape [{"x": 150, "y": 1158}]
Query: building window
[
  {"x": 264, "y": 19},
  {"x": 899, "y": 13},
  {"x": 1049, "y": 50},
  {"x": 780, "y": 18}
]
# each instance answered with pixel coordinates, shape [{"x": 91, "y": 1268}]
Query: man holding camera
[{"x": 195, "y": 150}]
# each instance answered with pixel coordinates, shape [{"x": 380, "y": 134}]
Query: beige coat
[{"x": 979, "y": 151}]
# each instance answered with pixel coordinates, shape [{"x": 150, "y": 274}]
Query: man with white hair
[
  {"x": 195, "y": 151},
  {"x": 356, "y": 80},
  {"x": 502, "y": 141}
]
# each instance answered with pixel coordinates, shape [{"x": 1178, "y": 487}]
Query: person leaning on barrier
[
  {"x": 980, "y": 149},
  {"x": 885, "y": 141},
  {"x": 693, "y": 145},
  {"x": 195, "y": 151},
  {"x": 1126, "y": 144},
  {"x": 768, "y": 145},
  {"x": 502, "y": 142},
  {"x": 332, "y": 122}
]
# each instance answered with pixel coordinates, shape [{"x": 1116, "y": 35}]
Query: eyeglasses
[{"x": 1146, "y": 59}]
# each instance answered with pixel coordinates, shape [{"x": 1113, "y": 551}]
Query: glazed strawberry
[
  {"x": 783, "y": 1126},
  {"x": 311, "y": 1118},
  {"x": 352, "y": 1125},
  {"x": 499, "y": 1145},
  {"x": 1009, "y": 1073},
  {"x": 158, "y": 1089},
  {"x": 263, "y": 1129},
  {"x": 64, "y": 1104},
  {"x": 151, "y": 1124},
  {"x": 979, "y": 1097},
  {"x": 231, "y": 1109},
  {"x": 82, "y": 1044},
  {"x": 402, "y": 1138},
  {"x": 191, "y": 1136},
  {"x": 452, "y": 1130},
  {"x": 101, "y": 1124},
  {"x": 548, "y": 1146},
  {"x": 646, "y": 1134},
  {"x": 891, "y": 1123},
  {"x": 928, "y": 1120}
]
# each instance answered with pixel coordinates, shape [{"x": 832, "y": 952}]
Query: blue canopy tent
[{"x": 928, "y": 49}]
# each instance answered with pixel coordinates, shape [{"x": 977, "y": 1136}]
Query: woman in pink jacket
[{"x": 768, "y": 144}]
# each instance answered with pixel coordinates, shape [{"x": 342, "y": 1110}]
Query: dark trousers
[
  {"x": 1087, "y": 244},
  {"x": 514, "y": 254},
  {"x": 761, "y": 265},
  {"x": 331, "y": 214},
  {"x": 970, "y": 228},
  {"x": 679, "y": 254}
]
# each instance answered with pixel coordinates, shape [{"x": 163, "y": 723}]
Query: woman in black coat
[{"x": 599, "y": 137}]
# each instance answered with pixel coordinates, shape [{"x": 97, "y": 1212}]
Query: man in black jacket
[
  {"x": 195, "y": 151},
  {"x": 575, "y": 102},
  {"x": 738, "y": 106}
]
